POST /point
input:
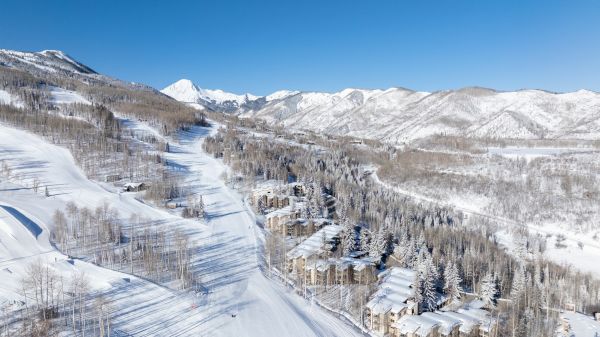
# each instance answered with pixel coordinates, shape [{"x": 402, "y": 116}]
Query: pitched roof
[
  {"x": 417, "y": 324},
  {"x": 314, "y": 244},
  {"x": 395, "y": 289},
  {"x": 447, "y": 323},
  {"x": 467, "y": 322}
]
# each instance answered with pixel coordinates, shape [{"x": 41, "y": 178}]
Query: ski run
[{"x": 237, "y": 299}]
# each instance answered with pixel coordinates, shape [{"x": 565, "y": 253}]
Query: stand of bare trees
[
  {"x": 53, "y": 303},
  {"x": 138, "y": 246}
]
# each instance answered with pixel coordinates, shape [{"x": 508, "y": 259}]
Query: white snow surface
[
  {"x": 281, "y": 94},
  {"x": 531, "y": 152},
  {"x": 8, "y": 99},
  {"x": 63, "y": 96},
  {"x": 581, "y": 325},
  {"x": 239, "y": 299},
  {"x": 583, "y": 258}
]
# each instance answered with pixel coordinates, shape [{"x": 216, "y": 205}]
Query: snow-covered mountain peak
[
  {"x": 183, "y": 90},
  {"x": 281, "y": 94},
  {"x": 186, "y": 91}
]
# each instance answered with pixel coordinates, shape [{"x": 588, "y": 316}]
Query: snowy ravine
[{"x": 240, "y": 300}]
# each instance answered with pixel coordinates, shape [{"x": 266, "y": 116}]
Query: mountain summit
[{"x": 186, "y": 91}]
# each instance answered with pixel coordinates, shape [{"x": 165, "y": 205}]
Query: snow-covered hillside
[
  {"x": 57, "y": 64},
  {"x": 398, "y": 115},
  {"x": 46, "y": 60}
]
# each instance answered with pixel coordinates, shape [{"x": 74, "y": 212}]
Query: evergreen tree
[
  {"x": 364, "y": 239},
  {"x": 518, "y": 284},
  {"x": 489, "y": 290},
  {"x": 426, "y": 283},
  {"x": 452, "y": 281},
  {"x": 348, "y": 239},
  {"x": 377, "y": 246}
]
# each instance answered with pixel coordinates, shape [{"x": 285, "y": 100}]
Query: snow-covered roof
[
  {"x": 417, "y": 324},
  {"x": 380, "y": 305},
  {"x": 357, "y": 264},
  {"x": 132, "y": 185},
  {"x": 266, "y": 187},
  {"x": 300, "y": 221},
  {"x": 447, "y": 323},
  {"x": 467, "y": 323},
  {"x": 395, "y": 289},
  {"x": 314, "y": 244},
  {"x": 287, "y": 210},
  {"x": 484, "y": 318}
]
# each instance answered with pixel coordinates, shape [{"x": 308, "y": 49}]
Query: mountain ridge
[
  {"x": 393, "y": 115},
  {"x": 399, "y": 115}
]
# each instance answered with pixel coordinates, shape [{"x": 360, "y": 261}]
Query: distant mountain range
[
  {"x": 398, "y": 115},
  {"x": 395, "y": 115},
  {"x": 219, "y": 100}
]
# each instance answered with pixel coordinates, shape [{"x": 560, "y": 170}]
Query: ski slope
[
  {"x": 239, "y": 300},
  {"x": 230, "y": 260}
]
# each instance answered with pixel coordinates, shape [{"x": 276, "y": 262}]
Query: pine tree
[
  {"x": 342, "y": 214},
  {"x": 377, "y": 246},
  {"x": 489, "y": 290},
  {"x": 311, "y": 209},
  {"x": 200, "y": 207},
  {"x": 349, "y": 239},
  {"x": 518, "y": 284},
  {"x": 364, "y": 239},
  {"x": 427, "y": 280},
  {"x": 452, "y": 281}
]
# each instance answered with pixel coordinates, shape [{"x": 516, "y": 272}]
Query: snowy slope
[
  {"x": 21, "y": 236},
  {"x": 228, "y": 248},
  {"x": 580, "y": 325},
  {"x": 53, "y": 61},
  {"x": 233, "y": 276},
  {"x": 57, "y": 64},
  {"x": 62, "y": 96},
  {"x": 8, "y": 99}
]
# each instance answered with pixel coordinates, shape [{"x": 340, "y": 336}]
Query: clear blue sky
[{"x": 263, "y": 46}]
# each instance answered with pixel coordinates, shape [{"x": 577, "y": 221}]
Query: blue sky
[{"x": 263, "y": 46}]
